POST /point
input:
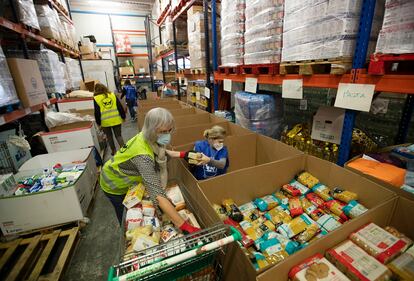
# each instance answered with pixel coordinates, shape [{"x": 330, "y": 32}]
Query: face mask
[
  {"x": 218, "y": 145},
  {"x": 164, "y": 139}
]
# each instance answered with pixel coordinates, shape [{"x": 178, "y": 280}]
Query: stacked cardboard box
[
  {"x": 52, "y": 71},
  {"x": 27, "y": 13},
  {"x": 74, "y": 73},
  {"x": 49, "y": 22}
]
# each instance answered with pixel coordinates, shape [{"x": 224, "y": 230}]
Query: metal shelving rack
[
  {"x": 403, "y": 84},
  {"x": 24, "y": 33}
]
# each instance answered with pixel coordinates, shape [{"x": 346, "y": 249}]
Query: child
[{"x": 131, "y": 98}]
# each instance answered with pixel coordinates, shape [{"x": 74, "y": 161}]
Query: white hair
[{"x": 154, "y": 119}]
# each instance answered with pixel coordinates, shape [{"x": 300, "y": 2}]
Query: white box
[
  {"x": 327, "y": 124},
  {"x": 73, "y": 136},
  {"x": 67, "y": 105},
  {"x": 43, "y": 209}
]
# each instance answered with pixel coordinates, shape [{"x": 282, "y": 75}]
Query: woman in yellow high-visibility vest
[{"x": 109, "y": 114}]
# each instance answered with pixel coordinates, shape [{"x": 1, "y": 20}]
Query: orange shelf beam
[
  {"x": 403, "y": 84},
  {"x": 169, "y": 53},
  {"x": 19, "y": 113},
  {"x": 18, "y": 28},
  {"x": 181, "y": 8},
  {"x": 164, "y": 15}
]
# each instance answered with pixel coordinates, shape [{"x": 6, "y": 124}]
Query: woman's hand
[{"x": 204, "y": 160}]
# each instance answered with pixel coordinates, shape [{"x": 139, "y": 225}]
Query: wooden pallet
[
  {"x": 197, "y": 70},
  {"x": 381, "y": 64},
  {"x": 229, "y": 70},
  {"x": 40, "y": 257},
  {"x": 337, "y": 66},
  {"x": 271, "y": 69}
]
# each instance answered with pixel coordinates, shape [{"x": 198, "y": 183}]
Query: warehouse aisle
[{"x": 99, "y": 244}]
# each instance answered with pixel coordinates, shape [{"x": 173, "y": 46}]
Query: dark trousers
[
  {"x": 131, "y": 104},
  {"x": 116, "y": 201},
  {"x": 118, "y": 135}
]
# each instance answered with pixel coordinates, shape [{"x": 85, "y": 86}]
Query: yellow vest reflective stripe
[
  {"x": 109, "y": 111},
  {"x": 112, "y": 180}
]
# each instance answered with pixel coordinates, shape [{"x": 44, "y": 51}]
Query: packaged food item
[
  {"x": 247, "y": 208},
  {"x": 273, "y": 250},
  {"x": 288, "y": 245},
  {"x": 176, "y": 197},
  {"x": 148, "y": 208},
  {"x": 410, "y": 251},
  {"x": 259, "y": 260},
  {"x": 278, "y": 216},
  {"x": 310, "y": 232},
  {"x": 323, "y": 191},
  {"x": 307, "y": 179},
  {"x": 356, "y": 264},
  {"x": 253, "y": 232},
  {"x": 320, "y": 234},
  {"x": 130, "y": 234},
  {"x": 167, "y": 233},
  {"x": 266, "y": 203},
  {"x": 221, "y": 211},
  {"x": 194, "y": 158},
  {"x": 291, "y": 190},
  {"x": 316, "y": 268},
  {"x": 295, "y": 207},
  {"x": 344, "y": 195},
  {"x": 282, "y": 198},
  {"x": 324, "y": 220},
  {"x": 354, "y": 209},
  {"x": 400, "y": 235},
  {"x": 252, "y": 215},
  {"x": 133, "y": 218},
  {"x": 153, "y": 221},
  {"x": 143, "y": 242},
  {"x": 315, "y": 199},
  {"x": 246, "y": 241},
  {"x": 232, "y": 210},
  {"x": 267, "y": 226},
  {"x": 188, "y": 216},
  {"x": 307, "y": 206},
  {"x": 403, "y": 267},
  {"x": 336, "y": 207},
  {"x": 302, "y": 189},
  {"x": 296, "y": 226},
  {"x": 378, "y": 242},
  {"x": 134, "y": 196}
]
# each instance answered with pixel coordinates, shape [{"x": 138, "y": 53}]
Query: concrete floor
[{"x": 99, "y": 243}]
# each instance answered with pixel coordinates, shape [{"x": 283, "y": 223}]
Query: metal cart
[{"x": 192, "y": 257}]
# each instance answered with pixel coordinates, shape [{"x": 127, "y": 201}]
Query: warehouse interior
[{"x": 206, "y": 140}]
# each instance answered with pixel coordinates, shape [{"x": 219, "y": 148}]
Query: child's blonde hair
[{"x": 216, "y": 132}]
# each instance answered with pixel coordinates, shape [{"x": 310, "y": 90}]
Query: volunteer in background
[
  {"x": 215, "y": 160},
  {"x": 131, "y": 98},
  {"x": 144, "y": 160},
  {"x": 109, "y": 114}
]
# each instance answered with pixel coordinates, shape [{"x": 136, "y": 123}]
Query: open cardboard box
[
  {"x": 247, "y": 184},
  {"x": 175, "y": 113},
  {"x": 252, "y": 150},
  {"x": 191, "y": 134},
  {"x": 69, "y": 104},
  {"x": 166, "y": 105},
  {"x": 143, "y": 103},
  {"x": 196, "y": 119}
]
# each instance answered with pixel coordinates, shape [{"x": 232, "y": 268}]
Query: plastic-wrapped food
[
  {"x": 189, "y": 216},
  {"x": 325, "y": 221},
  {"x": 378, "y": 242},
  {"x": 278, "y": 216},
  {"x": 134, "y": 218},
  {"x": 356, "y": 264},
  {"x": 130, "y": 234},
  {"x": 310, "y": 232},
  {"x": 152, "y": 221},
  {"x": 307, "y": 206},
  {"x": 344, "y": 195},
  {"x": 291, "y": 190},
  {"x": 266, "y": 203},
  {"x": 247, "y": 208},
  {"x": 273, "y": 250},
  {"x": 315, "y": 268},
  {"x": 27, "y": 13},
  {"x": 295, "y": 207},
  {"x": 246, "y": 241},
  {"x": 253, "y": 232},
  {"x": 8, "y": 93},
  {"x": 252, "y": 215},
  {"x": 148, "y": 208},
  {"x": 168, "y": 232},
  {"x": 288, "y": 245},
  {"x": 307, "y": 179},
  {"x": 51, "y": 70},
  {"x": 336, "y": 207},
  {"x": 297, "y": 226},
  {"x": 220, "y": 211},
  {"x": 323, "y": 191},
  {"x": 315, "y": 199},
  {"x": 403, "y": 267},
  {"x": 259, "y": 260},
  {"x": 232, "y": 210},
  {"x": 399, "y": 235},
  {"x": 74, "y": 73},
  {"x": 53, "y": 119},
  {"x": 282, "y": 198},
  {"x": 303, "y": 189},
  {"x": 354, "y": 209},
  {"x": 397, "y": 32},
  {"x": 176, "y": 197},
  {"x": 48, "y": 21}
]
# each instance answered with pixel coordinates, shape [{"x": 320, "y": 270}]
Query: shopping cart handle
[{"x": 235, "y": 233}]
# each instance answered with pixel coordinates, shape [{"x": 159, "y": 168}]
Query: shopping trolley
[{"x": 191, "y": 257}]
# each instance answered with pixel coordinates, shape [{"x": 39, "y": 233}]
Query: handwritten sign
[
  {"x": 251, "y": 85},
  {"x": 207, "y": 92},
  {"x": 227, "y": 85},
  {"x": 355, "y": 96},
  {"x": 292, "y": 89}
]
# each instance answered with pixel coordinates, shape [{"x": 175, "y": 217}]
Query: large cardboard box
[
  {"x": 43, "y": 209},
  {"x": 196, "y": 119},
  {"x": 141, "y": 65},
  {"x": 67, "y": 105},
  {"x": 87, "y": 48},
  {"x": 88, "y": 85},
  {"x": 328, "y": 123},
  {"x": 247, "y": 184},
  {"x": 71, "y": 136},
  {"x": 172, "y": 105},
  {"x": 174, "y": 112},
  {"x": 126, "y": 70},
  {"x": 28, "y": 81}
]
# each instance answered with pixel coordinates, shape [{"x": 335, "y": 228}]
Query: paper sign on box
[
  {"x": 227, "y": 85},
  {"x": 292, "y": 89},
  {"x": 355, "y": 96},
  {"x": 327, "y": 124},
  {"x": 251, "y": 85}
]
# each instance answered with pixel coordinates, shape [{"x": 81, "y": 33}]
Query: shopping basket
[{"x": 191, "y": 257}]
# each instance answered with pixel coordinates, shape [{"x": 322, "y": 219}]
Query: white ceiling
[{"x": 142, "y": 6}]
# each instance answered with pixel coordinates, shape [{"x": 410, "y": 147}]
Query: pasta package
[
  {"x": 254, "y": 233},
  {"x": 220, "y": 211},
  {"x": 295, "y": 207},
  {"x": 336, "y": 207},
  {"x": 307, "y": 206},
  {"x": 296, "y": 226},
  {"x": 400, "y": 235},
  {"x": 252, "y": 215},
  {"x": 291, "y": 190},
  {"x": 266, "y": 203},
  {"x": 403, "y": 267},
  {"x": 378, "y": 242},
  {"x": 245, "y": 241},
  {"x": 232, "y": 210},
  {"x": 302, "y": 189},
  {"x": 356, "y": 264},
  {"x": 323, "y": 191},
  {"x": 324, "y": 220},
  {"x": 315, "y": 199},
  {"x": 273, "y": 250},
  {"x": 315, "y": 268},
  {"x": 247, "y": 208},
  {"x": 307, "y": 179},
  {"x": 282, "y": 198},
  {"x": 278, "y": 216},
  {"x": 289, "y": 246},
  {"x": 354, "y": 209},
  {"x": 344, "y": 195}
]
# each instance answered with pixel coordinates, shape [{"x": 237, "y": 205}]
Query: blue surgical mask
[{"x": 164, "y": 139}]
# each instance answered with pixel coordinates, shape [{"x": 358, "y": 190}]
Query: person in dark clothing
[
  {"x": 109, "y": 114},
  {"x": 131, "y": 95}
]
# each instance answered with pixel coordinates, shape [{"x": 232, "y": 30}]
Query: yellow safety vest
[
  {"x": 112, "y": 180},
  {"x": 109, "y": 112}
]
